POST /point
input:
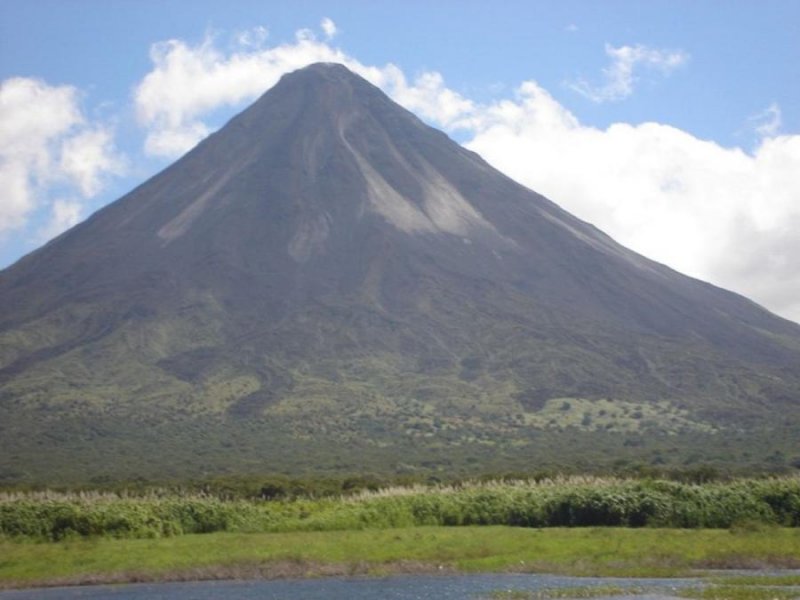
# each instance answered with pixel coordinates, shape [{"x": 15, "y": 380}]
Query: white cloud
[
  {"x": 305, "y": 35},
  {"x": 252, "y": 38},
  {"x": 176, "y": 140},
  {"x": 428, "y": 97},
  {"x": 63, "y": 215},
  {"x": 717, "y": 213},
  {"x": 45, "y": 143},
  {"x": 329, "y": 28},
  {"x": 87, "y": 157},
  {"x": 768, "y": 122},
  {"x": 619, "y": 77},
  {"x": 33, "y": 117}
]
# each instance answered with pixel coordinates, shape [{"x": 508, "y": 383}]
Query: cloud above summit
[
  {"x": 329, "y": 28},
  {"x": 189, "y": 82}
]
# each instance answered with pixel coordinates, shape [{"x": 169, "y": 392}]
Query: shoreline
[
  {"x": 296, "y": 570},
  {"x": 270, "y": 571}
]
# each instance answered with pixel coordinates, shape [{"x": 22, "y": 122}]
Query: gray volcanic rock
[{"x": 328, "y": 266}]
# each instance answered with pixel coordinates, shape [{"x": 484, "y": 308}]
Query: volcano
[{"x": 328, "y": 284}]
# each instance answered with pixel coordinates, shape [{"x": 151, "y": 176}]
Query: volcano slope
[{"x": 327, "y": 284}]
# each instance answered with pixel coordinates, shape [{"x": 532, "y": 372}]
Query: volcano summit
[{"x": 327, "y": 284}]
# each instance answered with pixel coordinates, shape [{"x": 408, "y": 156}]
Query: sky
[{"x": 674, "y": 126}]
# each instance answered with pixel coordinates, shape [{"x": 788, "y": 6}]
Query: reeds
[{"x": 557, "y": 502}]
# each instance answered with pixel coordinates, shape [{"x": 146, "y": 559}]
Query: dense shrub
[{"x": 573, "y": 502}]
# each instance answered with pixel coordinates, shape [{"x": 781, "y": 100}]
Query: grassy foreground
[{"x": 595, "y": 551}]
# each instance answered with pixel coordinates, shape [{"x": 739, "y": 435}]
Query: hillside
[{"x": 327, "y": 284}]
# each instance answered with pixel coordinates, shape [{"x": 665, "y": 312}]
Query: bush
[{"x": 565, "y": 503}]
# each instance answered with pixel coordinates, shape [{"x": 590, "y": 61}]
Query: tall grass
[{"x": 567, "y": 502}]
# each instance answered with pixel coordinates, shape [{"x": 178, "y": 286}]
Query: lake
[{"x": 409, "y": 587}]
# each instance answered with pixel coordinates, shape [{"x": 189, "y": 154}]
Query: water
[{"x": 409, "y": 587}]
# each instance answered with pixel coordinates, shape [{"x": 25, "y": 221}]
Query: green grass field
[{"x": 586, "y": 551}]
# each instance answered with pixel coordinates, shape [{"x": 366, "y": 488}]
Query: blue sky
[{"x": 674, "y": 126}]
